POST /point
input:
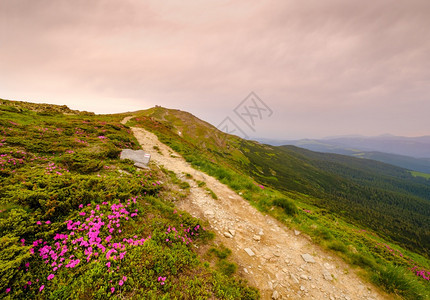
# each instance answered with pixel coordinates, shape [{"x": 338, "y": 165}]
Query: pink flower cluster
[
  {"x": 183, "y": 235},
  {"x": 421, "y": 273},
  {"x": 11, "y": 159},
  {"x": 53, "y": 169},
  {"x": 90, "y": 236},
  {"x": 161, "y": 280},
  {"x": 81, "y": 141}
]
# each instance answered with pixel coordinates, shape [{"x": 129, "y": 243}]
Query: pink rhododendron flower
[
  {"x": 50, "y": 276},
  {"x": 41, "y": 287}
]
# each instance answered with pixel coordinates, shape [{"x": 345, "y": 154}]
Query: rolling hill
[
  {"x": 408, "y": 153},
  {"x": 62, "y": 166}
]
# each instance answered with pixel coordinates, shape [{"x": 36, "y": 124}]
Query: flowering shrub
[{"x": 72, "y": 227}]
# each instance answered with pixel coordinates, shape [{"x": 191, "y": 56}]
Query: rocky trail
[{"x": 282, "y": 263}]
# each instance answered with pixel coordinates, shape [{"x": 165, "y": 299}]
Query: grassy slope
[
  {"x": 67, "y": 210},
  {"x": 277, "y": 180}
]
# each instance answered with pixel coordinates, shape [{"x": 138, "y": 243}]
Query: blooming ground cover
[{"x": 73, "y": 226}]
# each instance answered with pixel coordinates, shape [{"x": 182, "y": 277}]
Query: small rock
[
  {"x": 296, "y": 232},
  {"x": 228, "y": 235},
  {"x": 232, "y": 232},
  {"x": 328, "y": 266},
  {"x": 285, "y": 270},
  {"x": 302, "y": 288},
  {"x": 267, "y": 256},
  {"x": 275, "y": 295},
  {"x": 294, "y": 278},
  {"x": 249, "y": 251},
  {"x": 209, "y": 213},
  {"x": 261, "y": 232},
  {"x": 303, "y": 276},
  {"x": 327, "y": 275},
  {"x": 308, "y": 258},
  {"x": 256, "y": 238},
  {"x": 245, "y": 270},
  {"x": 277, "y": 254}
]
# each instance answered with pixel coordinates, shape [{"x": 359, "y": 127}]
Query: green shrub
[
  {"x": 338, "y": 246},
  {"x": 289, "y": 207},
  {"x": 397, "y": 280},
  {"x": 226, "y": 268},
  {"x": 80, "y": 163},
  {"x": 221, "y": 252}
]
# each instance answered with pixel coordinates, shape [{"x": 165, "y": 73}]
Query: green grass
[
  {"x": 56, "y": 169},
  {"x": 419, "y": 174}
]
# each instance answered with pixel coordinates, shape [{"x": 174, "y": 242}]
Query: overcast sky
[{"x": 321, "y": 67}]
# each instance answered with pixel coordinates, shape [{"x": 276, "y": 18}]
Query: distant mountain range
[{"x": 411, "y": 153}]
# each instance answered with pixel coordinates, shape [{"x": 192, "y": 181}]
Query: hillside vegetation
[
  {"x": 76, "y": 222},
  {"x": 373, "y": 214}
]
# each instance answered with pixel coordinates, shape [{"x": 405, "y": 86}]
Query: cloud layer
[{"x": 324, "y": 67}]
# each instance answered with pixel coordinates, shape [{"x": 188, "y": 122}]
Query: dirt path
[{"x": 268, "y": 254}]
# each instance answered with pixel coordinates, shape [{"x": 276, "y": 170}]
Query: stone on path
[
  {"x": 256, "y": 238},
  {"x": 140, "y": 157},
  {"x": 296, "y": 232},
  {"x": 327, "y": 275},
  {"x": 308, "y": 258},
  {"x": 294, "y": 278},
  {"x": 275, "y": 295},
  {"x": 228, "y": 235},
  {"x": 209, "y": 213},
  {"x": 249, "y": 251}
]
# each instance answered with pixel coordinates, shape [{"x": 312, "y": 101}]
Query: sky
[{"x": 281, "y": 69}]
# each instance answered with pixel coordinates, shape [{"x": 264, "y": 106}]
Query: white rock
[
  {"x": 308, "y": 258},
  {"x": 328, "y": 266},
  {"x": 232, "y": 232},
  {"x": 249, "y": 251},
  {"x": 256, "y": 238},
  {"x": 228, "y": 235},
  {"x": 294, "y": 278},
  {"x": 296, "y": 232},
  {"x": 303, "y": 276},
  {"x": 261, "y": 232},
  {"x": 275, "y": 295},
  {"x": 245, "y": 270},
  {"x": 327, "y": 275}
]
